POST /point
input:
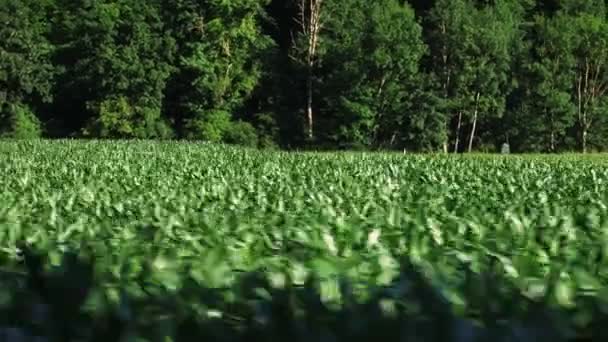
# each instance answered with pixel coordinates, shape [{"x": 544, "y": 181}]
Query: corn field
[{"x": 222, "y": 242}]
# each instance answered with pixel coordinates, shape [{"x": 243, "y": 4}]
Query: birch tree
[
  {"x": 472, "y": 55},
  {"x": 490, "y": 52},
  {"x": 449, "y": 22},
  {"x": 591, "y": 78},
  {"x": 310, "y": 19}
]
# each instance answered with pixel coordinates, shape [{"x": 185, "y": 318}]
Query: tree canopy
[{"x": 452, "y": 76}]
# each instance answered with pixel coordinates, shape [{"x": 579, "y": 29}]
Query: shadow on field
[{"x": 65, "y": 304}]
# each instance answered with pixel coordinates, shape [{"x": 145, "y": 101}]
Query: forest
[{"x": 429, "y": 76}]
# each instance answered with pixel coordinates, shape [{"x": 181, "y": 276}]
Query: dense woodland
[{"x": 443, "y": 75}]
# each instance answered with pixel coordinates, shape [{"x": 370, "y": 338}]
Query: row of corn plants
[{"x": 173, "y": 241}]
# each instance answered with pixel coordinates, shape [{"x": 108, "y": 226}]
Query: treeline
[{"x": 443, "y": 75}]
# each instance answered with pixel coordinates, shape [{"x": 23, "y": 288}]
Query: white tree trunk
[
  {"x": 457, "y": 141},
  {"x": 309, "y": 116},
  {"x": 475, "y": 113},
  {"x": 310, "y": 23}
]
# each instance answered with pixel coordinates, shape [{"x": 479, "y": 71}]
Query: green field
[{"x": 159, "y": 217}]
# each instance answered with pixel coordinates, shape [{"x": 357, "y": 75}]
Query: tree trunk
[
  {"x": 580, "y": 105},
  {"x": 446, "y": 85},
  {"x": 309, "y": 115},
  {"x": 446, "y": 138},
  {"x": 584, "y": 139},
  {"x": 393, "y": 137},
  {"x": 552, "y": 136},
  {"x": 457, "y": 141},
  {"x": 310, "y": 23},
  {"x": 474, "y": 122}
]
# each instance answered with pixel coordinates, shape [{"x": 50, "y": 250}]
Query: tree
[
  {"x": 117, "y": 64},
  {"x": 547, "y": 74},
  {"x": 423, "y": 128},
  {"x": 448, "y": 21},
  {"x": 326, "y": 73},
  {"x": 311, "y": 16},
  {"x": 218, "y": 62},
  {"x": 591, "y": 79},
  {"x": 371, "y": 55},
  {"x": 490, "y": 61},
  {"x": 473, "y": 58},
  {"x": 19, "y": 122},
  {"x": 26, "y": 69}
]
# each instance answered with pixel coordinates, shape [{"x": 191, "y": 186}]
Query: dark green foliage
[
  {"x": 472, "y": 56},
  {"x": 210, "y": 125},
  {"x": 26, "y": 70},
  {"x": 424, "y": 128},
  {"x": 372, "y": 50},
  {"x": 241, "y": 133},
  {"x": 218, "y": 62},
  {"x": 118, "y": 118},
  {"x": 456, "y": 75},
  {"x": 19, "y": 122},
  {"x": 267, "y": 130},
  {"x": 116, "y": 57},
  {"x": 546, "y": 76}
]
